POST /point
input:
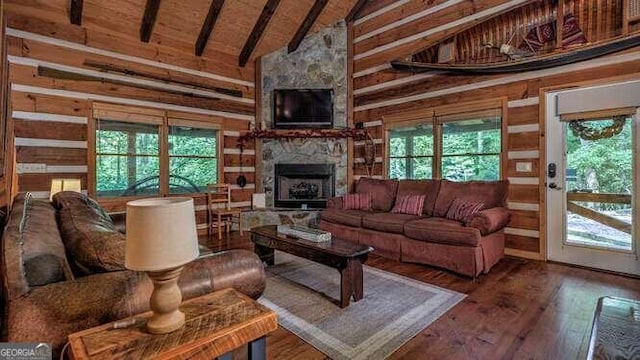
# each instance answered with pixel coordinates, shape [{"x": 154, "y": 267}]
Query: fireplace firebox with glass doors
[{"x": 303, "y": 185}]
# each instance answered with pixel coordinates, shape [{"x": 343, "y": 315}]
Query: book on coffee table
[{"x": 305, "y": 233}]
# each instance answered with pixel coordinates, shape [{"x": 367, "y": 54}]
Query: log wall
[
  {"x": 395, "y": 30},
  {"x": 58, "y": 70},
  {"x": 4, "y": 101}
]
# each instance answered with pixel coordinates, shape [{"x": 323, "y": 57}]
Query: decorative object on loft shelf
[
  {"x": 58, "y": 185},
  {"x": 305, "y": 233},
  {"x": 161, "y": 239},
  {"x": 356, "y": 134}
]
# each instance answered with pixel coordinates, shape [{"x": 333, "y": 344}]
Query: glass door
[
  {"x": 591, "y": 181},
  {"x": 599, "y": 183}
]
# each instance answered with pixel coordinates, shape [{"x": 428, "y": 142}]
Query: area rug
[{"x": 394, "y": 309}]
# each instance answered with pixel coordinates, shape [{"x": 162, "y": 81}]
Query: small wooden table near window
[{"x": 216, "y": 323}]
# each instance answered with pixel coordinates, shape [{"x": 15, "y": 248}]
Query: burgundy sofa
[{"x": 470, "y": 248}]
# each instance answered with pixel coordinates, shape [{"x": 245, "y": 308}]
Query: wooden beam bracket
[
  {"x": 355, "y": 10},
  {"x": 75, "y": 12},
  {"x": 149, "y": 19},
  {"x": 208, "y": 25},
  {"x": 306, "y": 25},
  {"x": 267, "y": 12}
]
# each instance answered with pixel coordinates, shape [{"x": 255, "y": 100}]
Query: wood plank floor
[{"x": 523, "y": 309}]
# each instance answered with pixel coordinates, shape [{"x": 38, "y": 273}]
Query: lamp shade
[{"x": 161, "y": 233}]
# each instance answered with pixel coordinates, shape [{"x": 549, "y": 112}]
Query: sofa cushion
[
  {"x": 357, "y": 202},
  {"x": 442, "y": 230},
  {"x": 409, "y": 204},
  {"x": 429, "y": 188},
  {"x": 461, "y": 210},
  {"x": 491, "y": 193},
  {"x": 387, "y": 222},
  {"x": 90, "y": 237},
  {"x": 32, "y": 230},
  {"x": 344, "y": 217},
  {"x": 383, "y": 192},
  {"x": 44, "y": 269}
]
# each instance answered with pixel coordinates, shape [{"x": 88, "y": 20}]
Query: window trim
[
  {"x": 162, "y": 118},
  {"x": 446, "y": 113}
]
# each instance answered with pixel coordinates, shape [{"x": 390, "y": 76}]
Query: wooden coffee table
[{"x": 342, "y": 255}]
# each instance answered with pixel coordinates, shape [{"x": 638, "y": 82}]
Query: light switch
[{"x": 523, "y": 167}]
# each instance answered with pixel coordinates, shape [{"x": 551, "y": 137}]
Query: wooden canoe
[
  {"x": 526, "y": 38},
  {"x": 527, "y": 64}
]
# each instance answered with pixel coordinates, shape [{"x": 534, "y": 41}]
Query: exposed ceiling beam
[
  {"x": 207, "y": 27},
  {"x": 355, "y": 10},
  {"x": 149, "y": 19},
  {"x": 75, "y": 12},
  {"x": 307, "y": 24},
  {"x": 257, "y": 31}
]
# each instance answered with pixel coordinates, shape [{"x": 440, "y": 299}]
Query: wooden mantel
[{"x": 356, "y": 134}]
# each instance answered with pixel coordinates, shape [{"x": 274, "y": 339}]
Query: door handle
[{"x": 554, "y": 186}]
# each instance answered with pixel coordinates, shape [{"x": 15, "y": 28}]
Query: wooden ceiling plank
[
  {"x": 258, "y": 29},
  {"x": 355, "y": 10},
  {"x": 149, "y": 19},
  {"x": 75, "y": 12},
  {"x": 306, "y": 25},
  {"x": 208, "y": 25}
]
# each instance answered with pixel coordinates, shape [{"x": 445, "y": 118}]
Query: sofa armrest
[
  {"x": 335, "y": 203},
  {"x": 50, "y": 313},
  {"x": 490, "y": 220}
]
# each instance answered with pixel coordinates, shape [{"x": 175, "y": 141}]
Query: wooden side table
[{"x": 215, "y": 324}]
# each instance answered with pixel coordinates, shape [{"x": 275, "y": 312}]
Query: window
[
  {"x": 192, "y": 158},
  {"x": 142, "y": 152},
  {"x": 126, "y": 154},
  {"x": 453, "y": 145},
  {"x": 411, "y": 152},
  {"x": 471, "y": 149}
]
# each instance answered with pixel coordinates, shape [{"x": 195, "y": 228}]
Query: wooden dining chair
[{"x": 221, "y": 214}]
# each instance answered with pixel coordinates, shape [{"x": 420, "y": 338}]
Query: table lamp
[
  {"x": 58, "y": 185},
  {"x": 161, "y": 238}
]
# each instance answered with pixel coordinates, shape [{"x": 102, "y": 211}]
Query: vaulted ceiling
[{"x": 244, "y": 29}]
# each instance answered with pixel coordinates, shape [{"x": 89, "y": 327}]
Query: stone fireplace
[
  {"x": 319, "y": 63},
  {"x": 303, "y": 185}
]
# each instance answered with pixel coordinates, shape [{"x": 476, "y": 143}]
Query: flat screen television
[{"x": 302, "y": 108}]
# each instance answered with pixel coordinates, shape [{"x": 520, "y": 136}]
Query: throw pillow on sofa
[
  {"x": 462, "y": 210},
  {"x": 357, "y": 202},
  {"x": 409, "y": 204},
  {"x": 90, "y": 237},
  {"x": 383, "y": 192},
  {"x": 491, "y": 193}
]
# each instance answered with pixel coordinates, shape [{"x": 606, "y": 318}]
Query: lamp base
[{"x": 165, "y": 301}]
